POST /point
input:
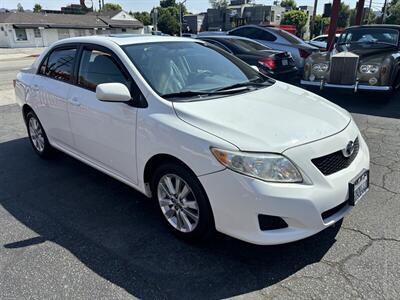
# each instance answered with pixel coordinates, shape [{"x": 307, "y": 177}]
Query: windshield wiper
[
  {"x": 185, "y": 94},
  {"x": 241, "y": 85}
]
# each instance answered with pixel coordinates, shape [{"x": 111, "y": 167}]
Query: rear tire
[
  {"x": 183, "y": 203},
  {"x": 37, "y": 136}
]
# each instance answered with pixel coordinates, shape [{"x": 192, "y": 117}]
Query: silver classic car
[{"x": 364, "y": 58}]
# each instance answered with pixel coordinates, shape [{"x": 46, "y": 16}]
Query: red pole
[
  {"x": 333, "y": 24},
  {"x": 360, "y": 11}
]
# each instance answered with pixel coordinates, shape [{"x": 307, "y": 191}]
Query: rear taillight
[
  {"x": 268, "y": 62},
  {"x": 304, "y": 53}
]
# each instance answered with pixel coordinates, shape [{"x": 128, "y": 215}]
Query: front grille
[
  {"x": 336, "y": 161},
  {"x": 343, "y": 70}
]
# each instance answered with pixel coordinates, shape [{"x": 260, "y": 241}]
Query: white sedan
[{"x": 218, "y": 145}]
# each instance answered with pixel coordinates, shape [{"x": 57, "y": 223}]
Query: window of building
[
  {"x": 98, "y": 67},
  {"x": 37, "y": 33},
  {"x": 123, "y": 29},
  {"x": 63, "y": 33},
  {"x": 20, "y": 34},
  {"x": 59, "y": 64}
]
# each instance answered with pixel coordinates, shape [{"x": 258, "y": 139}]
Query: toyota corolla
[{"x": 218, "y": 145}]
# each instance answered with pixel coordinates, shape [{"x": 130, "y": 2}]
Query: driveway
[{"x": 68, "y": 231}]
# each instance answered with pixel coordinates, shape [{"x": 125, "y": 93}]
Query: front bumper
[
  {"x": 355, "y": 87},
  {"x": 237, "y": 200}
]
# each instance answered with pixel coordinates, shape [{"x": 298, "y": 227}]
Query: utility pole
[
  {"x": 99, "y": 5},
  {"x": 180, "y": 17},
  {"x": 384, "y": 12},
  {"x": 369, "y": 11},
  {"x": 360, "y": 11},
  {"x": 333, "y": 24},
  {"x": 313, "y": 19}
]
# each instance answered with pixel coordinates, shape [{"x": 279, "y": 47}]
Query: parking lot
[{"x": 69, "y": 231}]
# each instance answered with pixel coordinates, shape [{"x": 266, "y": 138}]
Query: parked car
[
  {"x": 321, "y": 41},
  {"x": 215, "y": 143},
  {"x": 277, "y": 64},
  {"x": 277, "y": 39},
  {"x": 208, "y": 33},
  {"x": 365, "y": 57}
]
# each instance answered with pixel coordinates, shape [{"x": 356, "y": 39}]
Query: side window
[
  {"x": 98, "y": 67},
  {"x": 59, "y": 64},
  {"x": 241, "y": 32},
  {"x": 265, "y": 35}
]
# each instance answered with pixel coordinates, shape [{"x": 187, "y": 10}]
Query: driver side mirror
[{"x": 113, "y": 92}]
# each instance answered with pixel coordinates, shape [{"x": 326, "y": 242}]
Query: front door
[{"x": 104, "y": 132}]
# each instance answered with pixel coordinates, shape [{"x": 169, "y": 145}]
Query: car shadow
[
  {"x": 118, "y": 233},
  {"x": 368, "y": 103}
]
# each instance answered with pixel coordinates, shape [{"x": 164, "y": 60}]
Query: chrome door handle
[{"x": 74, "y": 101}]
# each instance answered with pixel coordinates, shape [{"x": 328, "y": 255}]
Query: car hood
[{"x": 270, "y": 119}]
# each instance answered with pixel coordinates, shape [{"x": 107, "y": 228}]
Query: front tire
[
  {"x": 37, "y": 136},
  {"x": 183, "y": 203}
]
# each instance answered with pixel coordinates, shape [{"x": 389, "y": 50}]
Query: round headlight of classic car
[
  {"x": 321, "y": 67},
  {"x": 369, "y": 69}
]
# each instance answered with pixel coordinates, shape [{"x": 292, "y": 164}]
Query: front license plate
[
  {"x": 358, "y": 187},
  {"x": 284, "y": 62}
]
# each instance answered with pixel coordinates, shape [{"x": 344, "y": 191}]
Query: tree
[
  {"x": 168, "y": 20},
  {"x": 394, "y": 12},
  {"x": 344, "y": 15},
  {"x": 20, "y": 8},
  {"x": 297, "y": 18},
  {"x": 288, "y": 3},
  {"x": 143, "y": 17},
  {"x": 219, "y": 3},
  {"x": 168, "y": 3},
  {"x": 112, "y": 6},
  {"x": 320, "y": 23},
  {"x": 37, "y": 8}
]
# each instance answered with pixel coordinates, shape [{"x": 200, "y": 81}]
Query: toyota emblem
[{"x": 348, "y": 151}]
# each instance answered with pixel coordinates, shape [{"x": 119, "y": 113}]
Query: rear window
[
  {"x": 247, "y": 45},
  {"x": 290, "y": 37}
]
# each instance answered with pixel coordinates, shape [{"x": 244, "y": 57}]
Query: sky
[{"x": 194, "y": 6}]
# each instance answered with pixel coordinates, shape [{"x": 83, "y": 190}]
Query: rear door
[
  {"x": 104, "y": 132},
  {"x": 51, "y": 87}
]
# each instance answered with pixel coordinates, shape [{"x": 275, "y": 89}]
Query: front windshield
[
  {"x": 181, "y": 67},
  {"x": 368, "y": 38}
]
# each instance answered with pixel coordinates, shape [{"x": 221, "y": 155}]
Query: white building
[{"x": 20, "y": 29}]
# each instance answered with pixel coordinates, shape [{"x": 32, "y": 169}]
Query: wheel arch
[
  {"x": 157, "y": 160},
  {"x": 26, "y": 108}
]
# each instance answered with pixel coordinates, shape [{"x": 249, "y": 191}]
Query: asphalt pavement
[{"x": 69, "y": 231}]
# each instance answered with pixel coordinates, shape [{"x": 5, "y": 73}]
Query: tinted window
[
  {"x": 98, "y": 67},
  {"x": 266, "y": 36},
  {"x": 247, "y": 46},
  {"x": 174, "y": 67},
  {"x": 59, "y": 64},
  {"x": 291, "y": 38},
  {"x": 245, "y": 32}
]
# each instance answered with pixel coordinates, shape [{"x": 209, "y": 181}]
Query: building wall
[{"x": 8, "y": 38}]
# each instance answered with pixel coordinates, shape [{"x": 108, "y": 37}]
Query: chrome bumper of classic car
[{"x": 354, "y": 87}]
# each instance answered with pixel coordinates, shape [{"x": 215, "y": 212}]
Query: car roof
[{"x": 125, "y": 39}]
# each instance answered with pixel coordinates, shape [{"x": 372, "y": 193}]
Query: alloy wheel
[
  {"x": 36, "y": 134},
  {"x": 178, "y": 203}
]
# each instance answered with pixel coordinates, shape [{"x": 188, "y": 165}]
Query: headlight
[
  {"x": 321, "y": 67},
  {"x": 369, "y": 69},
  {"x": 264, "y": 166}
]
